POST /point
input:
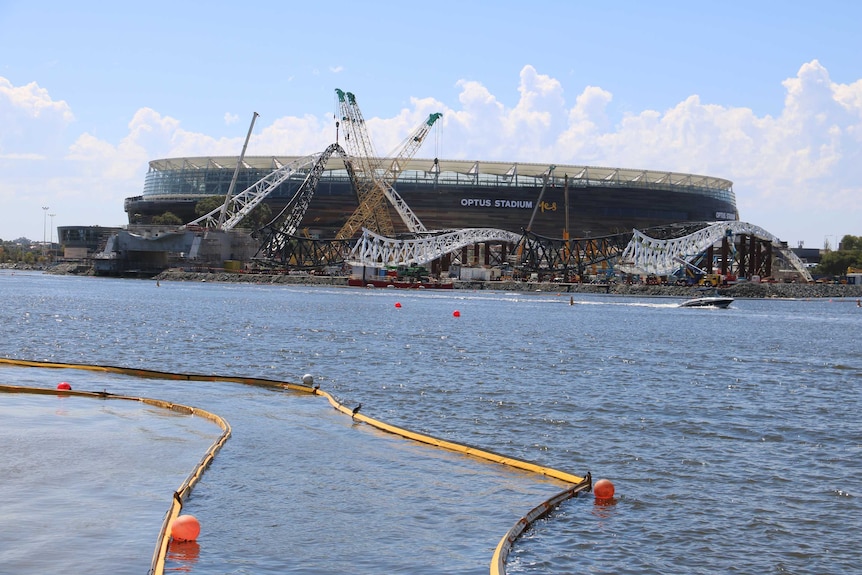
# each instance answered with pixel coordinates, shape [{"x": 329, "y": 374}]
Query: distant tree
[
  {"x": 167, "y": 219},
  {"x": 208, "y": 204},
  {"x": 259, "y": 217},
  {"x": 850, "y": 243},
  {"x": 12, "y": 252},
  {"x": 836, "y": 263}
]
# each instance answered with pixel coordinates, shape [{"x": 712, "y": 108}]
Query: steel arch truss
[
  {"x": 279, "y": 232},
  {"x": 374, "y": 250},
  {"x": 648, "y": 255}
]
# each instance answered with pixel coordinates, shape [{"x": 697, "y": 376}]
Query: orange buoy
[
  {"x": 64, "y": 385},
  {"x": 456, "y": 313},
  {"x": 398, "y": 304},
  {"x": 603, "y": 489},
  {"x": 185, "y": 528}
]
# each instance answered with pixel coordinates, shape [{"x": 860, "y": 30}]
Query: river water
[{"x": 732, "y": 436}]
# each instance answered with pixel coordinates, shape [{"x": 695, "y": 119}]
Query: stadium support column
[
  {"x": 725, "y": 253},
  {"x": 753, "y": 255},
  {"x": 767, "y": 264}
]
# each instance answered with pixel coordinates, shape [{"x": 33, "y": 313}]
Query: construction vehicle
[
  {"x": 713, "y": 280},
  {"x": 699, "y": 275}
]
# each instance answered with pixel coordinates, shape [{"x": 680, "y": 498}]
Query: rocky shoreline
[{"x": 741, "y": 290}]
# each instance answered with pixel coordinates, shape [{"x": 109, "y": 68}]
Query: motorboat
[
  {"x": 708, "y": 301},
  {"x": 713, "y": 300}
]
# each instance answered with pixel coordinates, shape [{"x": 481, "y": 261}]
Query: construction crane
[
  {"x": 362, "y": 159},
  {"x": 373, "y": 179},
  {"x": 277, "y": 232},
  {"x": 227, "y": 216},
  {"x": 239, "y": 163}
]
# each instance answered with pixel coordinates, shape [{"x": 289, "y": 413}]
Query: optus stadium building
[{"x": 549, "y": 199}]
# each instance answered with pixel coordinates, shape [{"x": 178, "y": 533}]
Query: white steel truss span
[
  {"x": 244, "y": 202},
  {"x": 648, "y": 255},
  {"x": 373, "y": 250}
]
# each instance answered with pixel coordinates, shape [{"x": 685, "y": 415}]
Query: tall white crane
[{"x": 374, "y": 180}]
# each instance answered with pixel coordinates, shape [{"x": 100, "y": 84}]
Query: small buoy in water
[
  {"x": 456, "y": 313},
  {"x": 571, "y": 300},
  {"x": 64, "y": 385},
  {"x": 185, "y": 528},
  {"x": 603, "y": 489},
  {"x": 307, "y": 379},
  {"x": 398, "y": 304}
]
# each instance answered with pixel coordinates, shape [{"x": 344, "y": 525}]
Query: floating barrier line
[
  {"x": 157, "y": 565},
  {"x": 501, "y": 553},
  {"x": 498, "y": 561},
  {"x": 155, "y": 374}
]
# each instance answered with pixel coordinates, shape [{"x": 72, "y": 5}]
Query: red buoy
[
  {"x": 185, "y": 528},
  {"x": 603, "y": 489},
  {"x": 398, "y": 304},
  {"x": 456, "y": 313},
  {"x": 64, "y": 385}
]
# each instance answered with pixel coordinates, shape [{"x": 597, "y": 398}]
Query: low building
[{"x": 83, "y": 242}]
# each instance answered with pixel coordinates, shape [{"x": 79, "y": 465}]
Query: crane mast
[
  {"x": 224, "y": 209},
  {"x": 374, "y": 181},
  {"x": 362, "y": 157}
]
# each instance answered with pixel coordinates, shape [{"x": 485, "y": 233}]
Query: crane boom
[
  {"x": 244, "y": 202},
  {"x": 365, "y": 166},
  {"x": 689, "y": 265},
  {"x": 239, "y": 162},
  {"x": 375, "y": 177}
]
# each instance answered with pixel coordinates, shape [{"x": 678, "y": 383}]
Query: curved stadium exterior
[{"x": 595, "y": 201}]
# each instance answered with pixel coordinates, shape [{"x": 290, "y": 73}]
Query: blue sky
[{"x": 766, "y": 94}]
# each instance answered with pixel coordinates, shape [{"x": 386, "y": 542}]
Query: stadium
[{"x": 552, "y": 200}]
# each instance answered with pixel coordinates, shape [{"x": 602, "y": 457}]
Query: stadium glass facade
[{"x": 586, "y": 201}]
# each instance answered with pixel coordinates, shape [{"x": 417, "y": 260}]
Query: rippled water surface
[{"x": 732, "y": 436}]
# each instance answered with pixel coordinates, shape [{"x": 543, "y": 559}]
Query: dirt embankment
[{"x": 742, "y": 290}]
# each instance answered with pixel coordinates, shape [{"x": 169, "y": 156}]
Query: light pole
[
  {"x": 51, "y": 234},
  {"x": 44, "y": 228}
]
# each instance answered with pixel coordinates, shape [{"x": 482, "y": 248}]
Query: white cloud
[
  {"x": 33, "y": 101},
  {"x": 31, "y": 122},
  {"x": 230, "y": 118}
]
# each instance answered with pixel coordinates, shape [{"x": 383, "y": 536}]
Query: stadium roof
[{"x": 472, "y": 168}]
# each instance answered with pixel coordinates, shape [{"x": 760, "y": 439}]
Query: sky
[{"x": 767, "y": 94}]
